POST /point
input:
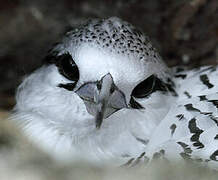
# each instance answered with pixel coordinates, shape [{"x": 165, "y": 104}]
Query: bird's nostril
[
  {"x": 112, "y": 89},
  {"x": 98, "y": 84}
]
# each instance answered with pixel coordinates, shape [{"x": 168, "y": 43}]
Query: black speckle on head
[{"x": 216, "y": 137}]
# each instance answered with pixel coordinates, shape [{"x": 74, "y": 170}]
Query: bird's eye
[
  {"x": 152, "y": 84},
  {"x": 144, "y": 88},
  {"x": 67, "y": 67}
]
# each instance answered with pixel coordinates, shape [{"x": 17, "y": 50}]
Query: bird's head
[{"x": 108, "y": 64}]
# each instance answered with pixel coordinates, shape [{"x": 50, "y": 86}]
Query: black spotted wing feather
[
  {"x": 189, "y": 132},
  {"x": 190, "y": 129},
  {"x": 198, "y": 82}
]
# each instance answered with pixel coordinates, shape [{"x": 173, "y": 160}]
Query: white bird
[{"x": 104, "y": 94}]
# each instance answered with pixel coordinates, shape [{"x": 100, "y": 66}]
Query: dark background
[{"x": 184, "y": 31}]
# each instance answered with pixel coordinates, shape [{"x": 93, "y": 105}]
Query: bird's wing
[{"x": 190, "y": 129}]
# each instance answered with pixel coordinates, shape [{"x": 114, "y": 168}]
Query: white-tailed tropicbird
[{"x": 104, "y": 94}]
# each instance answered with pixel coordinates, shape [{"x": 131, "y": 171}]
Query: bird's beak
[{"x": 102, "y": 98}]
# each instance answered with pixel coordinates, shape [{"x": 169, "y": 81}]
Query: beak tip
[{"x": 98, "y": 120}]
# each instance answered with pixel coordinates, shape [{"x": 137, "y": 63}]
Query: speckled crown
[{"x": 114, "y": 35}]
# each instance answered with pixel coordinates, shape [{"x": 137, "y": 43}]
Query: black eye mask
[
  {"x": 66, "y": 66},
  {"x": 147, "y": 87}
]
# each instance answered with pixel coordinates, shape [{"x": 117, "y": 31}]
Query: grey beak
[{"x": 102, "y": 98}]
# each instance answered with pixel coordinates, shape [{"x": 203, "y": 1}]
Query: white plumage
[{"x": 105, "y": 95}]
